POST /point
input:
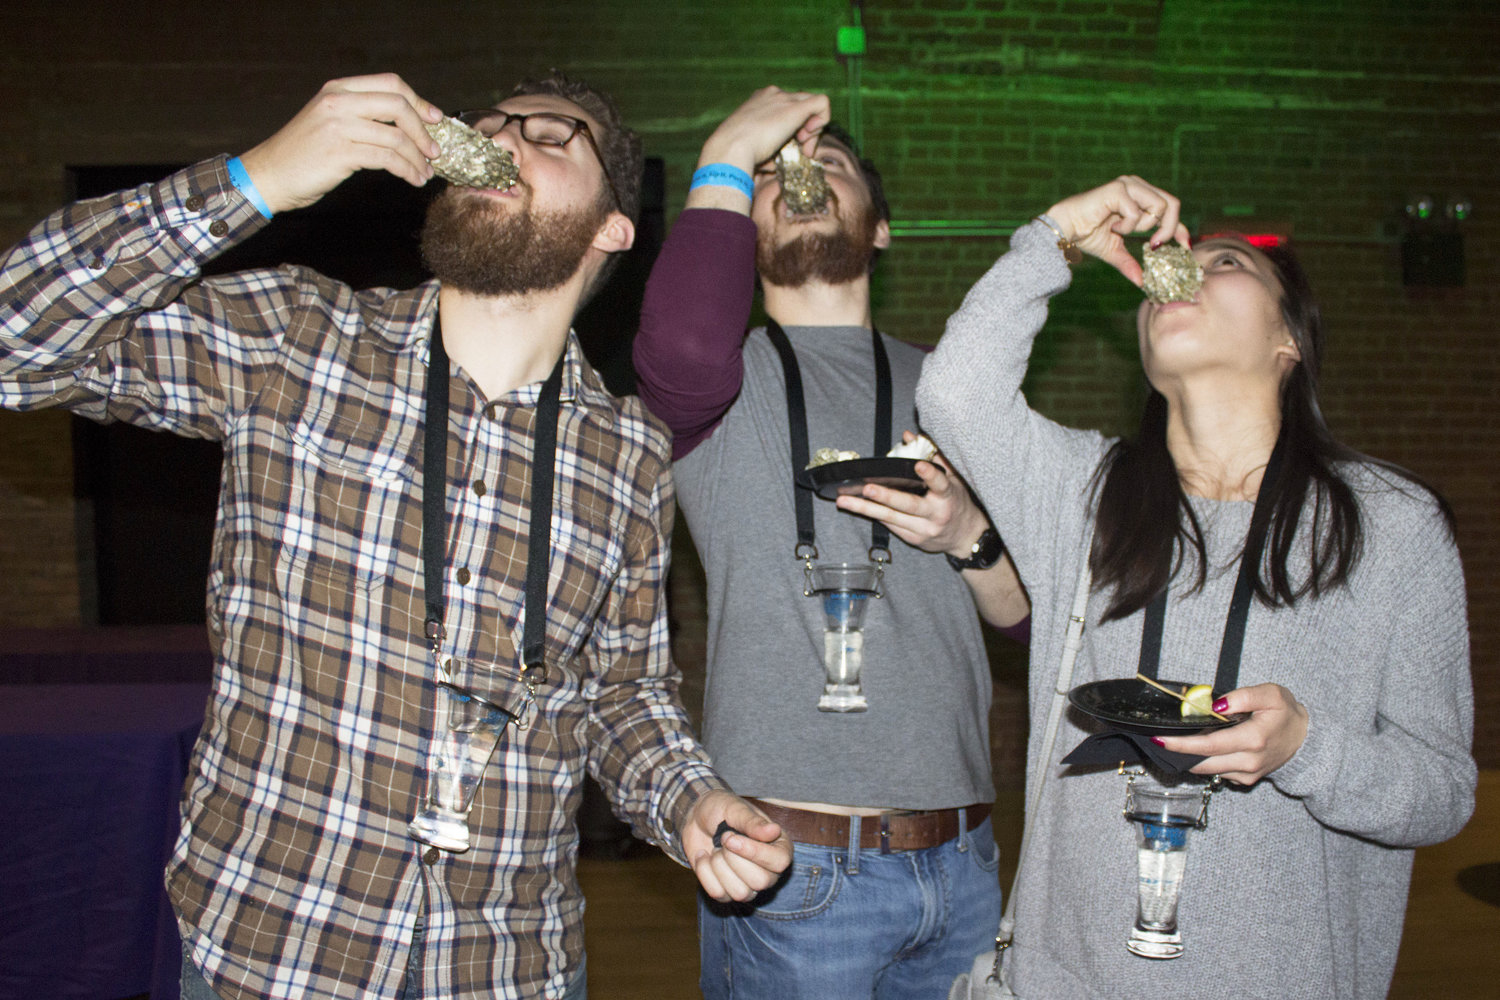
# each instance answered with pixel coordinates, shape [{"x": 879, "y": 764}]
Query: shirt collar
[{"x": 581, "y": 385}]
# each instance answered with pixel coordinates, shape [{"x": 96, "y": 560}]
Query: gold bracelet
[{"x": 1069, "y": 249}]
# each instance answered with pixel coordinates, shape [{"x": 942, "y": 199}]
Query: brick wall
[{"x": 1318, "y": 115}]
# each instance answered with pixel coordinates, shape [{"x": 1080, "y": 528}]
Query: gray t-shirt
[
  {"x": 924, "y": 741},
  {"x": 1298, "y": 886}
]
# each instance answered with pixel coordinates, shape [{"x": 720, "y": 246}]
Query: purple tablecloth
[
  {"x": 150, "y": 654},
  {"x": 92, "y": 775}
]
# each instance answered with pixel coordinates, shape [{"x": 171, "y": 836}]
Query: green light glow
[{"x": 851, "y": 40}]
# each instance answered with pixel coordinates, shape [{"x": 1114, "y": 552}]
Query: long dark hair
[{"x": 1145, "y": 527}]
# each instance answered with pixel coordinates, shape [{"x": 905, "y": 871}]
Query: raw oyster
[
  {"x": 804, "y": 189},
  {"x": 1171, "y": 274},
  {"x": 920, "y": 448},
  {"x": 827, "y": 456},
  {"x": 469, "y": 159}
]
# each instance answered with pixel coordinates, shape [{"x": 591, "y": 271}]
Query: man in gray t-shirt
[{"x": 893, "y": 888}]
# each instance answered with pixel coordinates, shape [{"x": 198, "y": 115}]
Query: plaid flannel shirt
[{"x": 294, "y": 874}]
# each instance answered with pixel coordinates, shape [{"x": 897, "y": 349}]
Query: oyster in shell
[
  {"x": 1170, "y": 274},
  {"x": 804, "y": 189},
  {"x": 469, "y": 159},
  {"x": 920, "y": 447},
  {"x": 827, "y": 456}
]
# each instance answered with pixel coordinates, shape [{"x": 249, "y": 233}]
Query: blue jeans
[
  {"x": 847, "y": 924},
  {"x": 191, "y": 984}
]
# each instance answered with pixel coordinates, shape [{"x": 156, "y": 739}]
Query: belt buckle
[{"x": 885, "y": 833}]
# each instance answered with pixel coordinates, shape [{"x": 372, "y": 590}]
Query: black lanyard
[
  {"x": 1227, "y": 677},
  {"x": 796, "y": 410},
  {"x": 434, "y": 490}
]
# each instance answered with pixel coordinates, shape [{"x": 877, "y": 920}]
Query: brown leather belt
[{"x": 893, "y": 831}]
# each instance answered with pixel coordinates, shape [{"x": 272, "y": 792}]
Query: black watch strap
[{"x": 983, "y": 554}]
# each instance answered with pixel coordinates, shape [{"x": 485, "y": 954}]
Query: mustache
[{"x": 461, "y": 190}]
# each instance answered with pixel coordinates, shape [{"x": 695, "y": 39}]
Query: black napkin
[{"x": 1114, "y": 746}]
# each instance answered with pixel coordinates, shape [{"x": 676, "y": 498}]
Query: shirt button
[
  {"x": 218, "y": 228},
  {"x": 431, "y": 855},
  {"x": 462, "y": 576},
  {"x": 193, "y": 204},
  {"x": 479, "y": 487}
]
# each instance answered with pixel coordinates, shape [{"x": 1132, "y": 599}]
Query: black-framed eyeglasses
[{"x": 540, "y": 128}]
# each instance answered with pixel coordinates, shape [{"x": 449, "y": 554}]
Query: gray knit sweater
[{"x": 1297, "y": 888}]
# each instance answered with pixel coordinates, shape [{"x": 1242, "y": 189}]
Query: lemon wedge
[{"x": 1198, "y": 700}]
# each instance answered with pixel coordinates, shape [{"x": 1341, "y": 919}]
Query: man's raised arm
[{"x": 697, "y": 302}]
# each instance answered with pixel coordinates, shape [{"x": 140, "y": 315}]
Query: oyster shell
[
  {"x": 920, "y": 447},
  {"x": 1170, "y": 274},
  {"x": 469, "y": 159},
  {"x": 804, "y": 189}
]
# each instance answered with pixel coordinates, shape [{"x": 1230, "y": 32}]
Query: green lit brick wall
[{"x": 1318, "y": 115}]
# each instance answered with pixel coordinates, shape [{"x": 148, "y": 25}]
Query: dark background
[{"x": 1318, "y": 119}]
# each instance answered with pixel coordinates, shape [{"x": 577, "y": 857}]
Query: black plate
[
  {"x": 839, "y": 478},
  {"x": 1136, "y": 707}
]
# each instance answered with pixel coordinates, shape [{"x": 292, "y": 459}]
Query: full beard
[
  {"x": 471, "y": 245},
  {"x": 834, "y": 258}
]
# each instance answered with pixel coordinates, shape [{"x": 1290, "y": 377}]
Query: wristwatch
[{"x": 983, "y": 554}]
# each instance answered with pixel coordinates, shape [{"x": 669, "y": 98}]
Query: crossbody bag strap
[{"x": 1062, "y": 684}]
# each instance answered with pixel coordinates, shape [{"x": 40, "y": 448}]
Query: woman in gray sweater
[{"x": 1354, "y": 665}]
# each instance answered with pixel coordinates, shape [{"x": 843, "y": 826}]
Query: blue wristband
[
  {"x": 723, "y": 175},
  {"x": 241, "y": 178}
]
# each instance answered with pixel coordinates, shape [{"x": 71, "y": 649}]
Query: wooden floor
[{"x": 643, "y": 939}]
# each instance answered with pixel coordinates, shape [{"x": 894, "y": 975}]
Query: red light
[{"x": 1261, "y": 241}]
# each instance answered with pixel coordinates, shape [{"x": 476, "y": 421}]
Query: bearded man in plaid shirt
[{"x": 295, "y": 874}]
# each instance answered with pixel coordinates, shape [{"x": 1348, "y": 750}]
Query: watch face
[
  {"x": 988, "y": 548},
  {"x": 983, "y": 554}
]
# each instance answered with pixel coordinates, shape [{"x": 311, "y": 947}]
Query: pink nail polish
[
  {"x": 1158, "y": 741},
  {"x": 1221, "y": 706}
]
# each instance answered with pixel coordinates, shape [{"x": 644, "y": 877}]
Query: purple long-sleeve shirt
[{"x": 687, "y": 352}]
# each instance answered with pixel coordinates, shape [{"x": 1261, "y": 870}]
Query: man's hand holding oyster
[{"x": 357, "y": 123}]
